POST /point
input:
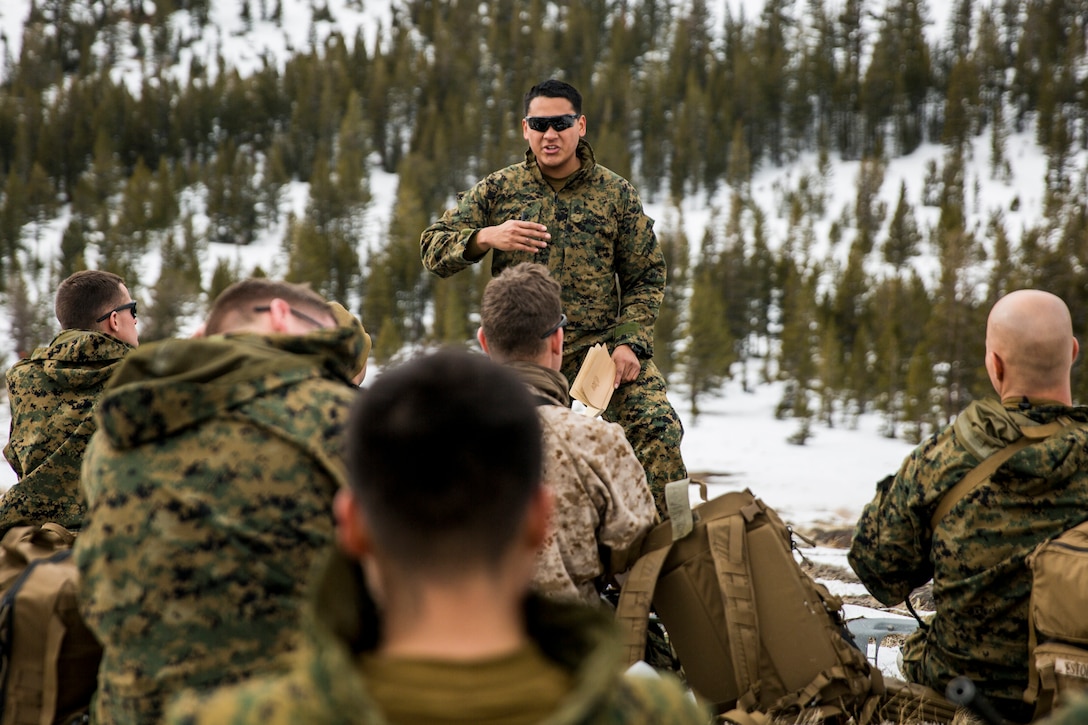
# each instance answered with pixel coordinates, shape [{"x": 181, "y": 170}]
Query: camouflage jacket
[
  {"x": 599, "y": 233},
  {"x": 209, "y": 486},
  {"x": 324, "y": 686},
  {"x": 53, "y": 394},
  {"x": 603, "y": 506},
  {"x": 975, "y": 555}
]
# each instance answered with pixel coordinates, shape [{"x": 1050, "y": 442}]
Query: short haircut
[
  {"x": 241, "y": 298},
  {"x": 444, "y": 453},
  {"x": 553, "y": 88},
  {"x": 518, "y": 306},
  {"x": 85, "y": 296}
]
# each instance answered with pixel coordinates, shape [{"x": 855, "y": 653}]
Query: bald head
[{"x": 1030, "y": 346}]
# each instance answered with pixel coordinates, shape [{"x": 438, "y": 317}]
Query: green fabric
[
  {"x": 53, "y": 395},
  {"x": 522, "y": 688},
  {"x": 323, "y": 686},
  {"x": 976, "y": 555},
  {"x": 209, "y": 483}
]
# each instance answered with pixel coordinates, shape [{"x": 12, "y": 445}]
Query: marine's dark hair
[
  {"x": 444, "y": 453},
  {"x": 519, "y": 305},
  {"x": 553, "y": 88},
  {"x": 242, "y": 297},
  {"x": 85, "y": 296}
]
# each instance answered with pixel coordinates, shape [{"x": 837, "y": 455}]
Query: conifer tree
[
  {"x": 903, "y": 237},
  {"x": 710, "y": 352},
  {"x": 31, "y": 317},
  {"x": 173, "y": 297},
  {"x": 667, "y": 329}
]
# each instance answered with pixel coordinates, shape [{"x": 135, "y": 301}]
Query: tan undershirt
[{"x": 517, "y": 689}]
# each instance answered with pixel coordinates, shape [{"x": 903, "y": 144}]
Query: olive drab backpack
[
  {"x": 756, "y": 636},
  {"x": 48, "y": 657}
]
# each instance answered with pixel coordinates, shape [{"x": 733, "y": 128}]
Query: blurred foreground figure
[
  {"x": 975, "y": 552},
  {"x": 424, "y": 615},
  {"x": 210, "y": 483},
  {"x": 53, "y": 394}
]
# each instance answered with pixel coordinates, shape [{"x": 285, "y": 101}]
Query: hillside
[{"x": 850, "y": 182}]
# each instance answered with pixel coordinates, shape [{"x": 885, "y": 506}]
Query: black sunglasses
[
  {"x": 131, "y": 306},
  {"x": 559, "y": 123},
  {"x": 300, "y": 315},
  {"x": 555, "y": 328}
]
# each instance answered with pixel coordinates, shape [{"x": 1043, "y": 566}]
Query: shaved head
[{"x": 1030, "y": 346}]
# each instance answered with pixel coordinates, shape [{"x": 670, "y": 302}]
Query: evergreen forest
[{"x": 197, "y": 154}]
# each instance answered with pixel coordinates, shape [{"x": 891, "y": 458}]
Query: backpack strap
[
  {"x": 978, "y": 474},
  {"x": 637, "y": 593},
  {"x": 727, "y": 548},
  {"x": 633, "y": 608}
]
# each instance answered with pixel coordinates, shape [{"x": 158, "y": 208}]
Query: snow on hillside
[{"x": 826, "y": 480}]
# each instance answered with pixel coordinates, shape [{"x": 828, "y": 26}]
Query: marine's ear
[{"x": 352, "y": 532}]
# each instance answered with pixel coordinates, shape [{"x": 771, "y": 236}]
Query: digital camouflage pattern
[
  {"x": 324, "y": 685},
  {"x": 605, "y": 256},
  {"x": 649, "y": 421},
  {"x": 209, "y": 484},
  {"x": 52, "y": 395},
  {"x": 1075, "y": 713},
  {"x": 975, "y": 557},
  {"x": 603, "y": 506}
]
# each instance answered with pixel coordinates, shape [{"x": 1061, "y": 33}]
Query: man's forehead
[{"x": 547, "y": 106}]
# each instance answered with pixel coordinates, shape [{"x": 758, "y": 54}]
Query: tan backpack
[
  {"x": 756, "y": 636},
  {"x": 48, "y": 657},
  {"x": 1058, "y": 619}
]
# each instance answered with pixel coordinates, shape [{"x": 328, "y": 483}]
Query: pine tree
[
  {"x": 674, "y": 246},
  {"x": 710, "y": 352},
  {"x": 903, "y": 235}
]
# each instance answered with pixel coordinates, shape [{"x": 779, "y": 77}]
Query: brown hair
[
  {"x": 85, "y": 296},
  {"x": 518, "y": 306},
  {"x": 241, "y": 297}
]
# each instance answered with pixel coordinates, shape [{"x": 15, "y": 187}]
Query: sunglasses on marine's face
[{"x": 559, "y": 123}]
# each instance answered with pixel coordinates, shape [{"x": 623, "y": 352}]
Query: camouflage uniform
[
  {"x": 209, "y": 486},
  {"x": 1075, "y": 713},
  {"x": 602, "y": 501},
  {"x": 604, "y": 254},
  {"x": 975, "y": 556},
  {"x": 52, "y": 394},
  {"x": 325, "y": 685}
]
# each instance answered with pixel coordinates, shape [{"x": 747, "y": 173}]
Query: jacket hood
[
  {"x": 988, "y": 425},
  {"x": 75, "y": 360},
  {"x": 580, "y": 639},
  {"x": 165, "y": 387}
]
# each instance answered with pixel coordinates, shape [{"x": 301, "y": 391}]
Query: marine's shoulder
[{"x": 657, "y": 700}]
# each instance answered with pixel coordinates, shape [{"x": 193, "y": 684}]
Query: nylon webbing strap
[
  {"x": 633, "y": 608},
  {"x": 726, "y": 538},
  {"x": 978, "y": 474}
]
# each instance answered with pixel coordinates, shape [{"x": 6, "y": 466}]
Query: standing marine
[{"x": 585, "y": 223}]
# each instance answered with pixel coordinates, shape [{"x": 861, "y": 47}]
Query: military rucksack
[
  {"x": 48, "y": 657},
  {"x": 756, "y": 636},
  {"x": 1058, "y": 619}
]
